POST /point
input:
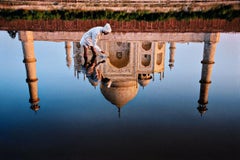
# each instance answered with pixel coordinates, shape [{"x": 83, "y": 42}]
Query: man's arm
[{"x": 95, "y": 37}]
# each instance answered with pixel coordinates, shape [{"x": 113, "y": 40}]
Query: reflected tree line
[
  {"x": 222, "y": 12},
  {"x": 119, "y": 70}
]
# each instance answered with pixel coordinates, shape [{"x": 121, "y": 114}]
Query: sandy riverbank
[{"x": 128, "y": 6}]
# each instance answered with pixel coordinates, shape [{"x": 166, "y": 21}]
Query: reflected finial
[
  {"x": 202, "y": 108},
  {"x": 171, "y": 65},
  {"x": 119, "y": 112},
  {"x": 35, "y": 107}
]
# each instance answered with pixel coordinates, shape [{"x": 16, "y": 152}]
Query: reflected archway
[{"x": 119, "y": 54}]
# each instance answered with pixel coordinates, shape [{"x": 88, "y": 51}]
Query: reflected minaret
[
  {"x": 68, "y": 54},
  {"x": 30, "y": 64},
  {"x": 207, "y": 66},
  {"x": 172, "y": 49},
  {"x": 78, "y": 60}
]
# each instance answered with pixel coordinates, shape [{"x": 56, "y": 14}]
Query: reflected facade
[{"x": 133, "y": 60}]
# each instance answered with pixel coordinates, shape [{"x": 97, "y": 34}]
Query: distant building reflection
[
  {"x": 172, "y": 49},
  {"x": 133, "y": 59},
  {"x": 68, "y": 47}
]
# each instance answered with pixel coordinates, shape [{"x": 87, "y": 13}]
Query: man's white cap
[{"x": 107, "y": 28}]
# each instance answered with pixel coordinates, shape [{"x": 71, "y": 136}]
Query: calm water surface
[{"x": 161, "y": 121}]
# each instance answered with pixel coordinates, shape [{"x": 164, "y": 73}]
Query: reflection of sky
[{"x": 75, "y": 117}]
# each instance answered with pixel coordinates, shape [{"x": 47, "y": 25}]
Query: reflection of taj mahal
[
  {"x": 133, "y": 58},
  {"x": 129, "y": 63}
]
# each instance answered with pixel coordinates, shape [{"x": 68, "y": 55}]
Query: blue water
[{"x": 75, "y": 121}]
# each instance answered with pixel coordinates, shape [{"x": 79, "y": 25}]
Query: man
[{"x": 90, "y": 39}]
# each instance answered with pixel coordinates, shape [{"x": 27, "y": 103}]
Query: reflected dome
[{"x": 120, "y": 92}]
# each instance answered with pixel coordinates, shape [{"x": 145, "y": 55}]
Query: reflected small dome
[
  {"x": 144, "y": 79},
  {"x": 144, "y": 83},
  {"x": 93, "y": 82}
]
